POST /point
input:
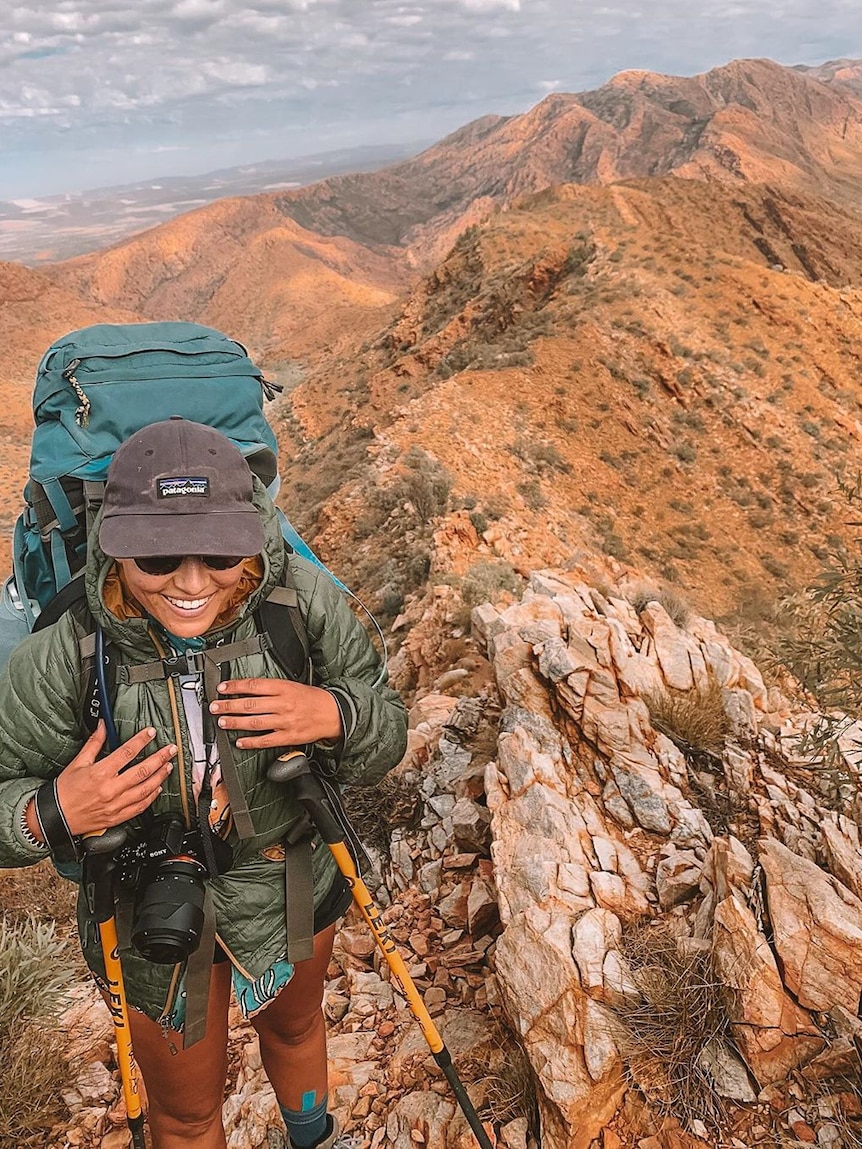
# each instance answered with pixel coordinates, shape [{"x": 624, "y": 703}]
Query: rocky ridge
[{"x": 536, "y": 826}]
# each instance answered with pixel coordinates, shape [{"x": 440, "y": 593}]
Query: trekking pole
[
  {"x": 294, "y": 768},
  {"x": 99, "y": 892}
]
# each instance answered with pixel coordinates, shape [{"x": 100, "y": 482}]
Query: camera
[{"x": 168, "y": 883}]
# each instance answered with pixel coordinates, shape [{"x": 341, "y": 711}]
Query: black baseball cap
[{"x": 179, "y": 488}]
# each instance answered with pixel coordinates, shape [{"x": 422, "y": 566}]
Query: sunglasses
[{"x": 167, "y": 564}]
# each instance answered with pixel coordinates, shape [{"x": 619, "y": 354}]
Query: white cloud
[
  {"x": 491, "y": 5},
  {"x": 80, "y": 78}
]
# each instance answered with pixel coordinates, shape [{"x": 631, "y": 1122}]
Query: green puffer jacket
[{"x": 41, "y": 730}]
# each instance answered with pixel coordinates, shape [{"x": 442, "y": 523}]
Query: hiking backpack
[{"x": 96, "y": 387}]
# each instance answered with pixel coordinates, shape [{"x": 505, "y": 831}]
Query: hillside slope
[
  {"x": 647, "y": 368},
  {"x": 243, "y": 266}
]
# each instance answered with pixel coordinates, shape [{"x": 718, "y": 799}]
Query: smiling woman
[{"x": 186, "y": 552}]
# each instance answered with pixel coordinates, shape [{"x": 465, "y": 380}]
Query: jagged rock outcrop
[{"x": 601, "y": 821}]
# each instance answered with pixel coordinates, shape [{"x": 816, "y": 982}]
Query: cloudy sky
[{"x": 100, "y": 92}]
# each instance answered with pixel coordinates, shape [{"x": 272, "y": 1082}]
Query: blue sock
[{"x": 308, "y": 1125}]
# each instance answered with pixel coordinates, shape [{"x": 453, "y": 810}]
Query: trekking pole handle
[{"x": 293, "y": 767}]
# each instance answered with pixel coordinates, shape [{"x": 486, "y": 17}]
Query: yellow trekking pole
[
  {"x": 99, "y": 891},
  {"x": 321, "y": 808}
]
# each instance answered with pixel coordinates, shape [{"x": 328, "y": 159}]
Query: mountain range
[{"x": 633, "y": 304}]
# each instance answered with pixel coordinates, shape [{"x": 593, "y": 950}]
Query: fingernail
[
  {"x": 222, "y": 686},
  {"x": 213, "y": 708},
  {"x": 241, "y": 743},
  {"x": 151, "y": 731},
  {"x": 222, "y": 723},
  {"x": 172, "y": 749}
]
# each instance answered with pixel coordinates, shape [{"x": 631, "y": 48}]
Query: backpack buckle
[{"x": 191, "y": 662}]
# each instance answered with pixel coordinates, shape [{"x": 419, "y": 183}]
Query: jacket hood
[{"x": 99, "y": 564}]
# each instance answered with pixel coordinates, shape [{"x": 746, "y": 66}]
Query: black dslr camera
[{"x": 168, "y": 883}]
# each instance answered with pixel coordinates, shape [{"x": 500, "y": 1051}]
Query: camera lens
[{"x": 169, "y": 915}]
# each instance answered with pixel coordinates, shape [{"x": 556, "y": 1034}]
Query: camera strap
[
  {"x": 198, "y": 974},
  {"x": 204, "y": 801}
]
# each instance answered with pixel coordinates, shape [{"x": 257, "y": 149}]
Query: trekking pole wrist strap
[{"x": 62, "y": 843}]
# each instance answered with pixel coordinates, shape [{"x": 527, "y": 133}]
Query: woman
[{"x": 185, "y": 551}]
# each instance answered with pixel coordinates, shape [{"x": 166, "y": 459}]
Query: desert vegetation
[{"x": 38, "y": 964}]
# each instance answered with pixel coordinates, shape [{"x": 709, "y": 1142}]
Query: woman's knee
[
  {"x": 287, "y": 1027},
  {"x": 183, "y": 1117}
]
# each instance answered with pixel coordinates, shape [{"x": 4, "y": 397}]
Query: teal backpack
[{"x": 94, "y": 388}]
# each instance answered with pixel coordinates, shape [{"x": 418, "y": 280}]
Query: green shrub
[
  {"x": 531, "y": 492},
  {"x": 484, "y": 581},
  {"x": 426, "y": 484}
]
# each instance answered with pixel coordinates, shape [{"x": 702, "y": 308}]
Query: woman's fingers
[
  {"x": 252, "y": 685},
  {"x": 137, "y": 798},
  {"x": 263, "y": 741},
  {"x": 89, "y": 752},
  {"x": 292, "y": 712},
  {"x": 94, "y": 795},
  {"x": 120, "y": 758}
]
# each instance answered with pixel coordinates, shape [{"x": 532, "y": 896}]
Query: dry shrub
[
  {"x": 37, "y": 891},
  {"x": 34, "y": 1072},
  {"x": 694, "y": 719},
  {"x": 665, "y": 1031},
  {"x": 35, "y": 971},
  {"x": 640, "y": 594},
  {"x": 375, "y": 811},
  {"x": 504, "y": 1084}
]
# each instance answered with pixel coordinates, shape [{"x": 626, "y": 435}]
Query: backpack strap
[
  {"x": 94, "y": 493},
  {"x": 70, "y": 595},
  {"x": 280, "y": 618},
  {"x": 299, "y": 895}
]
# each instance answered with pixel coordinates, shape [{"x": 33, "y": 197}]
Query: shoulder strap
[
  {"x": 73, "y": 598},
  {"x": 70, "y": 595},
  {"x": 280, "y": 619}
]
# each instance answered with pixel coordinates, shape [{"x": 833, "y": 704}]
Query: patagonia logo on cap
[{"x": 183, "y": 485}]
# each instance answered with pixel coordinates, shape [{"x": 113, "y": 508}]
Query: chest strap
[
  {"x": 209, "y": 664},
  {"x": 192, "y": 661}
]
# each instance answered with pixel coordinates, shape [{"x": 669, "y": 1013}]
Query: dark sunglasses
[{"x": 167, "y": 564}]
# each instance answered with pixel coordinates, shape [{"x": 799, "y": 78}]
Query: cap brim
[{"x": 214, "y": 533}]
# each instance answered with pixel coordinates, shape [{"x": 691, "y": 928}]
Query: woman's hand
[
  {"x": 292, "y": 713},
  {"x": 95, "y": 793}
]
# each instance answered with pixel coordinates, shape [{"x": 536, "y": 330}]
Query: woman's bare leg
[
  {"x": 292, "y": 1030},
  {"x": 185, "y": 1090}
]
